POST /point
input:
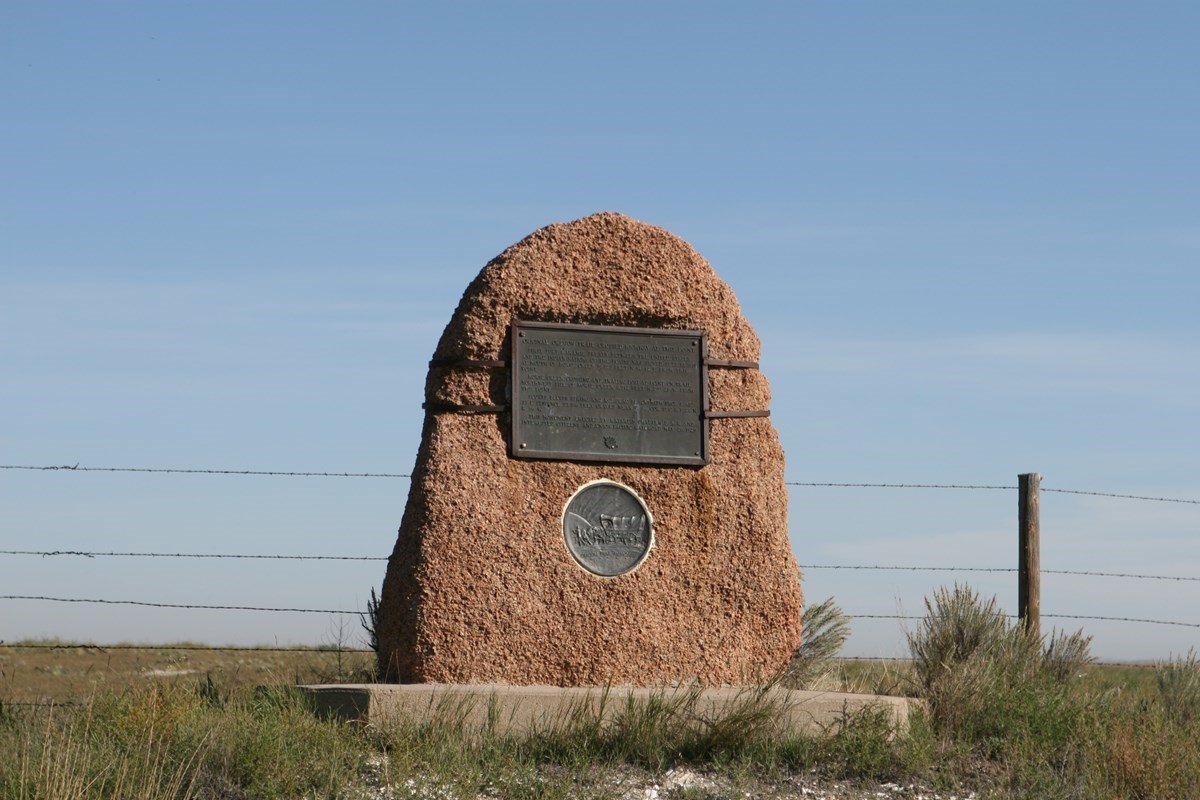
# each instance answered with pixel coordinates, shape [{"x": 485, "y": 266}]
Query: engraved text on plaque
[{"x": 602, "y": 393}]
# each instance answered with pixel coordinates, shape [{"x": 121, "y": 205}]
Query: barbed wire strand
[
  {"x": 884, "y": 567},
  {"x": 78, "y": 468},
  {"x": 1124, "y": 496},
  {"x": 1087, "y": 573},
  {"x": 906, "y": 569},
  {"x": 895, "y": 485},
  {"x": 98, "y": 554},
  {"x": 174, "y": 605},
  {"x": 343, "y": 611},
  {"x": 815, "y": 484},
  {"x": 104, "y": 648},
  {"x": 1119, "y": 575},
  {"x": 1121, "y": 619},
  {"x": 990, "y": 487},
  {"x": 1045, "y": 616},
  {"x": 908, "y": 660}
]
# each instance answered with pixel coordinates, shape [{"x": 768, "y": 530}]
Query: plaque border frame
[{"x": 515, "y": 449}]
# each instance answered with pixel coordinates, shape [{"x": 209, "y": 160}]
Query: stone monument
[{"x": 598, "y": 497}]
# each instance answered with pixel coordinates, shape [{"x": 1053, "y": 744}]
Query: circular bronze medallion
[{"x": 607, "y": 528}]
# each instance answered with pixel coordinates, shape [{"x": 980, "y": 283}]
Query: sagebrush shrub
[
  {"x": 1065, "y": 653},
  {"x": 958, "y": 627},
  {"x": 987, "y": 682},
  {"x": 1178, "y": 681}
]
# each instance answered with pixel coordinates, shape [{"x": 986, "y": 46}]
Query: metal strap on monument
[
  {"x": 440, "y": 406},
  {"x": 735, "y": 414},
  {"x": 473, "y": 409},
  {"x": 730, "y": 363},
  {"x": 720, "y": 363}
]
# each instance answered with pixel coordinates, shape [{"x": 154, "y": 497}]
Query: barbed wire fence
[{"x": 95, "y": 554}]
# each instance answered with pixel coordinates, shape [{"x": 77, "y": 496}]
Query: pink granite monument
[{"x": 598, "y": 496}]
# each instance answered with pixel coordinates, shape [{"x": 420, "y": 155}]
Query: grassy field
[
  {"x": 1002, "y": 715},
  {"x": 53, "y": 671},
  {"x": 71, "y": 672}
]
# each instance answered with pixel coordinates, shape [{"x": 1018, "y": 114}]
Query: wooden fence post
[{"x": 1029, "y": 573}]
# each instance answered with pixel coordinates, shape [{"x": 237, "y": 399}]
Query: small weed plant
[{"x": 825, "y": 630}]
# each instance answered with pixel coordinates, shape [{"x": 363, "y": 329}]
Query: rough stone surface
[{"x": 480, "y": 587}]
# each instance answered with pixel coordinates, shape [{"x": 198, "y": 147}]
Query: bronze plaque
[
  {"x": 607, "y": 528},
  {"x": 603, "y": 393}
]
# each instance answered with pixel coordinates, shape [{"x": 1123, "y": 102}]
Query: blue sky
[{"x": 230, "y": 235}]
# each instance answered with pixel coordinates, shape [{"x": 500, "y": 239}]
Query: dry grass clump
[
  {"x": 825, "y": 630},
  {"x": 70, "y": 756},
  {"x": 816, "y": 666},
  {"x": 174, "y": 742}
]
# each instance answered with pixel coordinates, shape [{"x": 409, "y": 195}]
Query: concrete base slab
[{"x": 519, "y": 709}]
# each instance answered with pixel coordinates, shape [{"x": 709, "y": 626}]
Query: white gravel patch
[{"x": 680, "y": 783}]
